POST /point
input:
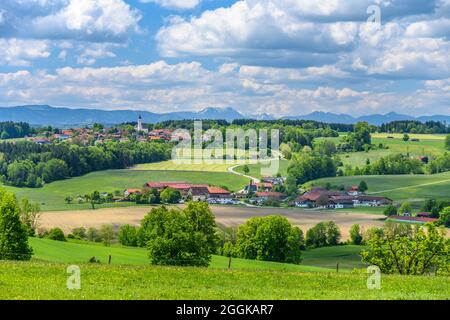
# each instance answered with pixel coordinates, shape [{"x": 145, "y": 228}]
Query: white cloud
[
  {"x": 272, "y": 31},
  {"x": 163, "y": 87},
  {"x": 175, "y": 4},
  {"x": 93, "y": 20},
  {"x": 86, "y": 20},
  {"x": 16, "y": 52}
]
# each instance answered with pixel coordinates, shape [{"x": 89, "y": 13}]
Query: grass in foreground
[
  {"x": 38, "y": 280},
  {"x": 51, "y": 196}
]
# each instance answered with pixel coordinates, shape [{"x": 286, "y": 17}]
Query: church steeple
[{"x": 139, "y": 124}]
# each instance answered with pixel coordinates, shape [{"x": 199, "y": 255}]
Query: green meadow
[
  {"x": 45, "y": 280},
  {"x": 51, "y": 196},
  {"x": 130, "y": 276},
  {"x": 398, "y": 187},
  {"x": 73, "y": 252},
  {"x": 428, "y": 145},
  {"x": 255, "y": 169}
]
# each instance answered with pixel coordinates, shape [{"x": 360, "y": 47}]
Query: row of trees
[
  {"x": 26, "y": 164},
  {"x": 11, "y": 130},
  {"x": 429, "y": 127}
]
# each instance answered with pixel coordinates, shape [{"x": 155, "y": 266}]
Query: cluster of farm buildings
[
  {"x": 265, "y": 191},
  {"x": 352, "y": 197}
]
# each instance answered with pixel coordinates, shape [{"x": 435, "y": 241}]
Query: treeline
[
  {"x": 26, "y": 164},
  {"x": 12, "y": 130},
  {"x": 306, "y": 124},
  {"x": 307, "y": 167},
  {"x": 396, "y": 164},
  {"x": 429, "y": 127}
]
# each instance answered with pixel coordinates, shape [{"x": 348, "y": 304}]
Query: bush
[
  {"x": 128, "y": 236},
  {"x": 56, "y": 234},
  {"x": 79, "y": 233},
  {"x": 270, "y": 238},
  {"x": 390, "y": 211},
  {"x": 170, "y": 195},
  {"x": 107, "y": 234},
  {"x": 183, "y": 238},
  {"x": 93, "y": 235},
  {"x": 323, "y": 234},
  {"x": 356, "y": 236}
]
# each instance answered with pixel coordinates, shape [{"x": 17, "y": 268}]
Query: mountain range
[{"x": 43, "y": 115}]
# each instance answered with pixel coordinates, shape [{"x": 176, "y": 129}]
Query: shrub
[
  {"x": 79, "y": 233},
  {"x": 356, "y": 236},
  {"x": 56, "y": 234},
  {"x": 93, "y": 235},
  {"x": 107, "y": 234},
  {"x": 390, "y": 211},
  {"x": 184, "y": 238},
  {"x": 270, "y": 238},
  {"x": 170, "y": 195},
  {"x": 128, "y": 236},
  {"x": 323, "y": 234}
]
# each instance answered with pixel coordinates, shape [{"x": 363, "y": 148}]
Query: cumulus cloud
[
  {"x": 312, "y": 31},
  {"x": 175, "y": 4},
  {"x": 87, "y": 20},
  {"x": 16, "y": 52},
  {"x": 164, "y": 87}
]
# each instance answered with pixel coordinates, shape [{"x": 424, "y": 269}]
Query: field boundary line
[{"x": 408, "y": 187}]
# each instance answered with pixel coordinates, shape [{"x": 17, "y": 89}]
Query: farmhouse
[
  {"x": 198, "y": 192},
  {"x": 322, "y": 198},
  {"x": 266, "y": 195},
  {"x": 368, "y": 201},
  {"x": 129, "y": 192},
  {"x": 220, "y": 193}
]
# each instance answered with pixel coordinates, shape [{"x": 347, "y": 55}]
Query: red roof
[
  {"x": 130, "y": 191},
  {"x": 217, "y": 190},
  {"x": 270, "y": 194},
  {"x": 264, "y": 185}
]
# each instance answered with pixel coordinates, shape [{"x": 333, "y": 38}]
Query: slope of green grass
[
  {"x": 255, "y": 169},
  {"x": 40, "y": 280},
  {"x": 399, "y": 187},
  {"x": 51, "y": 196},
  {"x": 317, "y": 260}
]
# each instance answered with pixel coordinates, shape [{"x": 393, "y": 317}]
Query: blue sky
[{"x": 282, "y": 57}]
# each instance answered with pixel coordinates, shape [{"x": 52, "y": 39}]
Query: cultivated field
[
  {"x": 40, "y": 280},
  {"x": 172, "y": 166},
  {"x": 225, "y": 216}
]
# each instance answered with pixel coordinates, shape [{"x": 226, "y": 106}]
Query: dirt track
[{"x": 226, "y": 216}]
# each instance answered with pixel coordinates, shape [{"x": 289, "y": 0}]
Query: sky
[{"x": 280, "y": 57}]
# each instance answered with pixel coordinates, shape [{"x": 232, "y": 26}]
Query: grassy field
[
  {"x": 428, "y": 144},
  {"x": 255, "y": 169},
  {"x": 41, "y": 280},
  {"x": 317, "y": 260},
  {"x": 51, "y": 196},
  {"x": 399, "y": 187}
]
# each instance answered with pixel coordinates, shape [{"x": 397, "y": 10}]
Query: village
[
  {"x": 99, "y": 134},
  {"x": 264, "y": 194}
]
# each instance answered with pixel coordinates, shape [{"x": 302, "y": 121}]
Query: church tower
[{"x": 139, "y": 125}]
